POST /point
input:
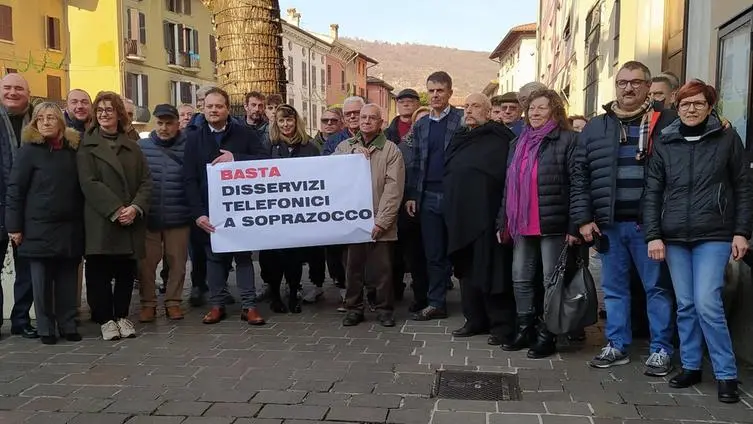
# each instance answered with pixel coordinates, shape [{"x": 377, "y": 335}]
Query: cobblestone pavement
[{"x": 307, "y": 369}]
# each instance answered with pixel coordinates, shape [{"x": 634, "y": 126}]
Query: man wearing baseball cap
[
  {"x": 407, "y": 103},
  {"x": 169, "y": 220}
]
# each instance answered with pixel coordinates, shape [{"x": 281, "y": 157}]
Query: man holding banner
[
  {"x": 387, "y": 184},
  {"x": 220, "y": 140}
]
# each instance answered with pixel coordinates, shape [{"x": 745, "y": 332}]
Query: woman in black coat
[
  {"x": 697, "y": 211},
  {"x": 535, "y": 210},
  {"x": 288, "y": 139},
  {"x": 44, "y": 218}
]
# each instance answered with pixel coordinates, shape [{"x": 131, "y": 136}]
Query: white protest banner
[{"x": 294, "y": 202}]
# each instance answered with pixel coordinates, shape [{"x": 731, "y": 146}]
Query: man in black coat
[
  {"x": 220, "y": 139},
  {"x": 474, "y": 185}
]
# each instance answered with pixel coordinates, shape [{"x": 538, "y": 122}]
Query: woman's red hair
[{"x": 695, "y": 87}]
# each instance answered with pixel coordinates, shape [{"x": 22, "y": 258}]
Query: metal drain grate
[{"x": 470, "y": 385}]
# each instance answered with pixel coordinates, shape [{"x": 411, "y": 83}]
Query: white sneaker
[
  {"x": 110, "y": 331},
  {"x": 126, "y": 328},
  {"x": 312, "y": 294}
]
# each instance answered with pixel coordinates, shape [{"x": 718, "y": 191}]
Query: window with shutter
[
  {"x": 313, "y": 76},
  {"x": 169, "y": 35},
  {"x": 52, "y": 32},
  {"x": 144, "y": 99},
  {"x": 130, "y": 85},
  {"x": 212, "y": 49},
  {"x": 304, "y": 80},
  {"x": 290, "y": 71},
  {"x": 322, "y": 82},
  {"x": 6, "y": 23},
  {"x": 142, "y": 28},
  {"x": 181, "y": 39},
  {"x": 329, "y": 75},
  {"x": 129, "y": 24},
  {"x": 195, "y": 46},
  {"x": 171, "y": 5},
  {"x": 54, "y": 88},
  {"x": 187, "y": 7}
]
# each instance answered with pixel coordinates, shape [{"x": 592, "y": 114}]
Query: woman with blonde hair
[
  {"x": 288, "y": 139},
  {"x": 117, "y": 185},
  {"x": 44, "y": 218}
]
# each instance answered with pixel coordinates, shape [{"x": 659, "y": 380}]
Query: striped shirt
[{"x": 630, "y": 175}]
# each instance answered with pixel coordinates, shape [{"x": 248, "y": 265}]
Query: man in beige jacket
[{"x": 387, "y": 183}]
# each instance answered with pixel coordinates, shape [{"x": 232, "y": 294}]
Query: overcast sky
[{"x": 466, "y": 24}]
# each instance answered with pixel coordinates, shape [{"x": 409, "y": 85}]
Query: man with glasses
[
  {"x": 506, "y": 110},
  {"x": 613, "y": 149},
  {"x": 351, "y": 113},
  {"x": 331, "y": 124}
]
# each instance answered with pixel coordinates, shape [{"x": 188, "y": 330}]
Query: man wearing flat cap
[
  {"x": 169, "y": 219},
  {"x": 407, "y": 103},
  {"x": 506, "y": 110}
]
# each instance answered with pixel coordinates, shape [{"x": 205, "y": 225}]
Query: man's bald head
[
  {"x": 15, "y": 93},
  {"x": 477, "y": 110}
]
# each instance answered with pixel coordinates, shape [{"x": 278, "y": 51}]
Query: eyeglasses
[
  {"x": 105, "y": 111},
  {"x": 699, "y": 105},
  {"x": 636, "y": 83},
  {"x": 329, "y": 121}
]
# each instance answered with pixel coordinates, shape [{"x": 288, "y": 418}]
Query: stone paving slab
[{"x": 308, "y": 369}]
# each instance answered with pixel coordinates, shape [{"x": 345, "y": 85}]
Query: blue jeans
[
  {"x": 698, "y": 277},
  {"x": 218, "y": 265},
  {"x": 434, "y": 234},
  {"x": 626, "y": 243}
]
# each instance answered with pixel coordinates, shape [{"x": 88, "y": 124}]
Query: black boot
[
  {"x": 545, "y": 345},
  {"x": 294, "y": 305},
  {"x": 525, "y": 336},
  {"x": 727, "y": 391},
  {"x": 685, "y": 379}
]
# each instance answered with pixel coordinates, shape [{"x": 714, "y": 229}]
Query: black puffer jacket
[
  {"x": 698, "y": 190},
  {"x": 557, "y": 172},
  {"x": 593, "y": 196},
  {"x": 280, "y": 150}
]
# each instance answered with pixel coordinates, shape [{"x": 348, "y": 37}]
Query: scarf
[
  {"x": 75, "y": 123},
  {"x": 55, "y": 143},
  {"x": 645, "y": 113},
  {"x": 520, "y": 174}
]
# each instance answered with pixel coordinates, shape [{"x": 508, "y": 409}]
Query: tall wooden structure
[{"x": 249, "y": 48}]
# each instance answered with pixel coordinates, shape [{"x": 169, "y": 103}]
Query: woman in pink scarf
[{"x": 535, "y": 210}]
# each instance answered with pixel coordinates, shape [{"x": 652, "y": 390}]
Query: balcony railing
[
  {"x": 189, "y": 62},
  {"x": 133, "y": 49}
]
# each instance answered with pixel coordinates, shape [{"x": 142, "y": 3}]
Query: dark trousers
[
  {"x": 23, "y": 293},
  {"x": 409, "y": 256},
  {"x": 197, "y": 252},
  {"x": 372, "y": 260},
  {"x": 317, "y": 259},
  {"x": 54, "y": 281},
  {"x": 335, "y": 257},
  {"x": 109, "y": 303},
  {"x": 488, "y": 312},
  {"x": 434, "y": 234},
  {"x": 283, "y": 263}
]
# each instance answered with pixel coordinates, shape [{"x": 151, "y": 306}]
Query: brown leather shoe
[
  {"x": 147, "y": 314},
  {"x": 214, "y": 315},
  {"x": 174, "y": 313},
  {"x": 252, "y": 316}
]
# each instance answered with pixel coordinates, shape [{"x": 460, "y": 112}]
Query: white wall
[
  {"x": 312, "y": 53},
  {"x": 518, "y": 66}
]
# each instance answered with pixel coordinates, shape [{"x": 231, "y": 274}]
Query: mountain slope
[{"x": 408, "y": 65}]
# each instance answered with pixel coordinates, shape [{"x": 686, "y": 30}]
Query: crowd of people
[{"x": 490, "y": 193}]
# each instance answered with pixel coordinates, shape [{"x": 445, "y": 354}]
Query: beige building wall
[{"x": 632, "y": 31}]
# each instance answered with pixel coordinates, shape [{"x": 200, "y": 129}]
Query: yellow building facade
[
  {"x": 151, "y": 51},
  {"x": 34, "y": 43}
]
